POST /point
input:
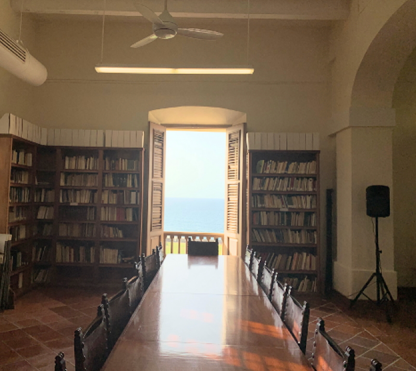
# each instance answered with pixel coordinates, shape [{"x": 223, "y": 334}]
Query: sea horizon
[{"x": 203, "y": 215}]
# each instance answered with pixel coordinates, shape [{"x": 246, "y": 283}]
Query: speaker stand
[{"x": 383, "y": 292}]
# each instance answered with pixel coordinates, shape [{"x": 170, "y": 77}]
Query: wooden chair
[
  {"x": 160, "y": 253},
  {"x": 279, "y": 295},
  {"x": 60, "y": 364},
  {"x": 90, "y": 348},
  {"x": 266, "y": 280},
  {"x": 296, "y": 319},
  {"x": 135, "y": 290},
  {"x": 256, "y": 266},
  {"x": 327, "y": 355},
  {"x": 150, "y": 268},
  {"x": 117, "y": 313},
  {"x": 248, "y": 257},
  {"x": 375, "y": 365},
  {"x": 202, "y": 248}
]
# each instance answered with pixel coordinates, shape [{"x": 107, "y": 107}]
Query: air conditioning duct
[{"x": 18, "y": 61}]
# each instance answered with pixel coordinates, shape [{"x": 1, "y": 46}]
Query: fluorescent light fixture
[{"x": 131, "y": 69}]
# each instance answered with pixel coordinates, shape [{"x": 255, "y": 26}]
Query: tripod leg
[
  {"x": 362, "y": 290},
  {"x": 388, "y": 294}
]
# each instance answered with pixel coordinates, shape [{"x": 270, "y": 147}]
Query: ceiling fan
[{"x": 165, "y": 27}]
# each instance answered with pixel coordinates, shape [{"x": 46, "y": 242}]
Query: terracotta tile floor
[{"x": 44, "y": 320}]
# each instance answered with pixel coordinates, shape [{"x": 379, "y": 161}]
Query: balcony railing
[{"x": 177, "y": 242}]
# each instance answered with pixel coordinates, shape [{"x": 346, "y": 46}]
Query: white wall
[
  {"x": 404, "y": 174},
  {"x": 16, "y": 95}
]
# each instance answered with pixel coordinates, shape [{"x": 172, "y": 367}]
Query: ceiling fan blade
[
  {"x": 144, "y": 41},
  {"x": 148, "y": 13},
  {"x": 199, "y": 34}
]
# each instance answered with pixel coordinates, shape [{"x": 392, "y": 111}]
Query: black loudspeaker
[{"x": 378, "y": 201}]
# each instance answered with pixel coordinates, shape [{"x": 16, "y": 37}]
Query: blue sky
[{"x": 195, "y": 164}]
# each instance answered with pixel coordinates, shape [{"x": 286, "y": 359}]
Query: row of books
[
  {"x": 20, "y": 195},
  {"x": 283, "y": 141},
  {"x": 83, "y": 196},
  {"x": 284, "y": 202},
  {"x": 129, "y": 214},
  {"x": 41, "y": 275},
  {"x": 292, "y": 219},
  {"x": 111, "y": 232},
  {"x": 80, "y": 162},
  {"x": 120, "y": 197},
  {"x": 45, "y": 212},
  {"x": 298, "y": 261},
  {"x": 45, "y": 229},
  {"x": 121, "y": 180},
  {"x": 79, "y": 180},
  {"x": 42, "y": 253},
  {"x": 74, "y": 254},
  {"x": 114, "y": 256},
  {"x": 76, "y": 230},
  {"x": 16, "y": 259},
  {"x": 19, "y": 176},
  {"x": 307, "y": 284},
  {"x": 284, "y": 184},
  {"x": 20, "y": 232},
  {"x": 285, "y": 167},
  {"x": 18, "y": 214},
  {"x": 21, "y": 157},
  {"x": 286, "y": 236},
  {"x": 11, "y": 124},
  {"x": 120, "y": 164},
  {"x": 44, "y": 195},
  {"x": 81, "y": 213}
]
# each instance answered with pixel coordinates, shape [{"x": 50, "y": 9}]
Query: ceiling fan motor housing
[
  {"x": 169, "y": 29},
  {"x": 167, "y": 32}
]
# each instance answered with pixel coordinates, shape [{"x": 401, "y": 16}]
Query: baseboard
[{"x": 406, "y": 293}]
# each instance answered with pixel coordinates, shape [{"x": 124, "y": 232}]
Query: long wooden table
[{"x": 205, "y": 313}]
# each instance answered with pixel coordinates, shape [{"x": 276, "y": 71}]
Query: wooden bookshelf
[
  {"x": 42, "y": 198},
  {"x": 283, "y": 214}
]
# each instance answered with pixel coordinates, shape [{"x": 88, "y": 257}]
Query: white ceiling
[{"x": 311, "y": 10}]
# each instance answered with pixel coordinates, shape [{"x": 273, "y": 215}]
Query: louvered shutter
[
  {"x": 234, "y": 188},
  {"x": 156, "y": 190}
]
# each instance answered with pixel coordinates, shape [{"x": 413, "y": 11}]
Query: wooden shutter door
[
  {"x": 234, "y": 222},
  {"x": 156, "y": 190}
]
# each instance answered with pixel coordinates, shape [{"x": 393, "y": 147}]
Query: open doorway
[
  {"x": 194, "y": 188},
  {"x": 206, "y": 119}
]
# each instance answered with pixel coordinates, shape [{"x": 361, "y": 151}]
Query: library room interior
[{"x": 301, "y": 253}]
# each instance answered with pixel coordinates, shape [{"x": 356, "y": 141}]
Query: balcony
[{"x": 177, "y": 242}]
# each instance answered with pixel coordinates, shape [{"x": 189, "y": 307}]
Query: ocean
[{"x": 194, "y": 215}]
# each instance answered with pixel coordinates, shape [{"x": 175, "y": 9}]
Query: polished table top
[{"x": 205, "y": 313}]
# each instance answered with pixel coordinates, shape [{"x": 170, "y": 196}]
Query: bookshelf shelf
[
  {"x": 119, "y": 171},
  {"x": 79, "y": 171},
  {"x": 22, "y": 241},
  {"x": 78, "y": 187},
  {"x": 285, "y": 170},
  {"x": 118, "y": 222},
  {"x": 122, "y": 266},
  {"x": 285, "y": 192},
  {"x": 21, "y": 222},
  {"x": 68, "y": 264},
  {"x": 22, "y": 166},
  {"x": 281, "y": 227},
  {"x": 283, "y": 209},
  {"x": 123, "y": 188},
  {"x": 24, "y": 185},
  {"x": 21, "y": 269},
  {"x": 280, "y": 175}
]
